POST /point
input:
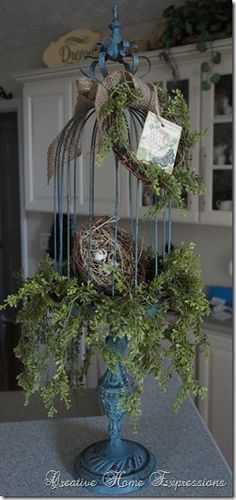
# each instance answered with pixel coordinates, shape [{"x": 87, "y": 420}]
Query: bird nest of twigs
[{"x": 97, "y": 250}]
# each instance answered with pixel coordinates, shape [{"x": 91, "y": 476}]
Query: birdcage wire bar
[{"x": 65, "y": 183}]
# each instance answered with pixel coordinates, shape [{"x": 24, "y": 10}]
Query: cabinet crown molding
[{"x": 182, "y": 52}]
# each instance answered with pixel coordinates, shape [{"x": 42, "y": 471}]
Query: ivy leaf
[
  {"x": 216, "y": 57},
  {"x": 205, "y": 85},
  {"x": 205, "y": 67},
  {"x": 215, "y": 78},
  {"x": 201, "y": 46}
]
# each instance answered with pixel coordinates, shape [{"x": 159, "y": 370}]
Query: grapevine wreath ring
[{"x": 121, "y": 92}]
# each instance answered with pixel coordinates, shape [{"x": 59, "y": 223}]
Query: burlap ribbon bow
[{"x": 94, "y": 95}]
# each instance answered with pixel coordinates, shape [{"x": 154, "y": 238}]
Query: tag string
[{"x": 157, "y": 105}]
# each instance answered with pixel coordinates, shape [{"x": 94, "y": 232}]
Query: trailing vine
[
  {"x": 172, "y": 107},
  {"x": 156, "y": 317}
]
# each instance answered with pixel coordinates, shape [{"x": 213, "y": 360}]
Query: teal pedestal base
[{"x": 115, "y": 468}]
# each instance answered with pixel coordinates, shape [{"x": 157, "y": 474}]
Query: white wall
[
  {"x": 213, "y": 243},
  {"x": 12, "y": 61}
]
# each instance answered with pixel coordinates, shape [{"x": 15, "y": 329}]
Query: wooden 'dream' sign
[{"x": 71, "y": 47}]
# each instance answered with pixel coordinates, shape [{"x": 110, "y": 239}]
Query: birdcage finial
[{"x": 113, "y": 49}]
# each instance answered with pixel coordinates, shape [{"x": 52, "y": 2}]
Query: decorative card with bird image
[{"x": 159, "y": 142}]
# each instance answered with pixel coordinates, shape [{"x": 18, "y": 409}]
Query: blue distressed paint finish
[
  {"x": 111, "y": 386},
  {"x": 113, "y": 49},
  {"x": 105, "y": 460}
]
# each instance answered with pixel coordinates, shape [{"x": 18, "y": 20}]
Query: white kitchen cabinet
[
  {"x": 216, "y": 374},
  {"x": 216, "y": 147},
  {"x": 49, "y": 100},
  {"x": 47, "y": 107},
  {"x": 206, "y": 112}
]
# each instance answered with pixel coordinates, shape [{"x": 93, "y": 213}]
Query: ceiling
[{"x": 27, "y": 22}]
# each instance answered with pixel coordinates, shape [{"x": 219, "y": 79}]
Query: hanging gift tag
[{"x": 159, "y": 142}]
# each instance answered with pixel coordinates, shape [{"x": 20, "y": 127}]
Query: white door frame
[{"x": 7, "y": 106}]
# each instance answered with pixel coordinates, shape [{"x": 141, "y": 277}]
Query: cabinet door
[
  {"x": 189, "y": 83},
  {"x": 216, "y": 375},
  {"x": 47, "y": 107},
  {"x": 216, "y": 151}
]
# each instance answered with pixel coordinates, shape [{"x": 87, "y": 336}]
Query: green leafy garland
[
  {"x": 172, "y": 107},
  {"x": 156, "y": 317}
]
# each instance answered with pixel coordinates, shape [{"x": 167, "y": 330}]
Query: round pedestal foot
[{"x": 114, "y": 468}]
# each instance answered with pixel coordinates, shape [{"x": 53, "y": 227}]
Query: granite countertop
[{"x": 181, "y": 443}]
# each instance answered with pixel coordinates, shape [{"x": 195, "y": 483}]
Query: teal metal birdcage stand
[{"x": 114, "y": 461}]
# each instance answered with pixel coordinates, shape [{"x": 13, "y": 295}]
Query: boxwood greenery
[
  {"x": 156, "y": 317},
  {"x": 160, "y": 317}
]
